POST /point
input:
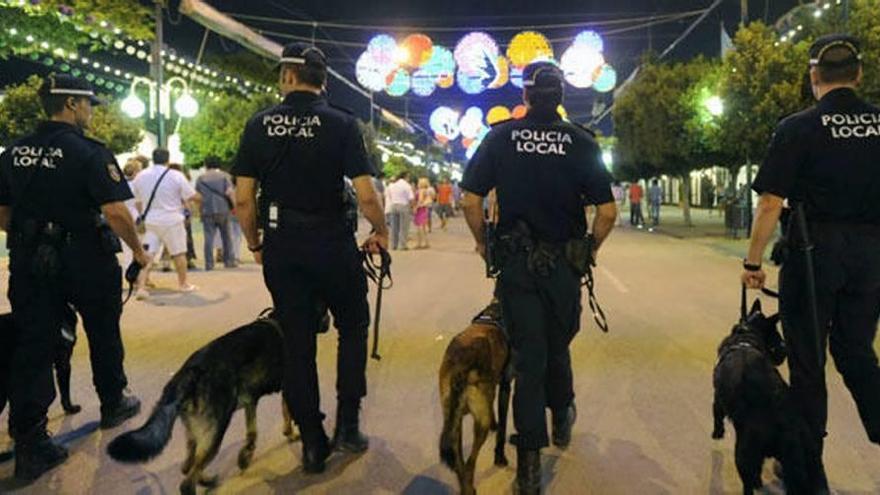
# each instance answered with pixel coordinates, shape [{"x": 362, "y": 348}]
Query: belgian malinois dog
[
  {"x": 751, "y": 392},
  {"x": 475, "y": 365},
  {"x": 232, "y": 372}
]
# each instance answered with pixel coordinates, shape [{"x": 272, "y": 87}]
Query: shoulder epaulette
[
  {"x": 340, "y": 108},
  {"x": 586, "y": 128},
  {"x": 93, "y": 140}
]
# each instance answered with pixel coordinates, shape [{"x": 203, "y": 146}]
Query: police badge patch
[{"x": 113, "y": 170}]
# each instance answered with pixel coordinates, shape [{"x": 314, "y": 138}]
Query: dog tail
[
  {"x": 149, "y": 440},
  {"x": 450, "y": 439}
]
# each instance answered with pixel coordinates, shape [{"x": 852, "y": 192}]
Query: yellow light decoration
[
  {"x": 446, "y": 82},
  {"x": 503, "y": 73},
  {"x": 562, "y": 112},
  {"x": 418, "y": 49},
  {"x": 528, "y": 46},
  {"x": 498, "y": 114}
]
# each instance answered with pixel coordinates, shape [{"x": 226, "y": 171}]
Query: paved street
[{"x": 643, "y": 392}]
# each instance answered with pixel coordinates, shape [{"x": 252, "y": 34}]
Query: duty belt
[{"x": 301, "y": 218}]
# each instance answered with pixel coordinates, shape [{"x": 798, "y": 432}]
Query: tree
[
  {"x": 654, "y": 120},
  {"x": 763, "y": 82},
  {"x": 216, "y": 130},
  {"x": 21, "y": 112}
]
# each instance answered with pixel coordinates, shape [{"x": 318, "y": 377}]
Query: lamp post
[
  {"x": 160, "y": 101},
  {"x": 158, "y": 75}
]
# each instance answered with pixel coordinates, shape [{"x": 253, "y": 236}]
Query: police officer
[
  {"x": 298, "y": 153},
  {"x": 825, "y": 160},
  {"x": 61, "y": 201},
  {"x": 545, "y": 172}
]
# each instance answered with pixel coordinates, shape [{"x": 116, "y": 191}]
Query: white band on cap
[
  {"x": 292, "y": 60},
  {"x": 76, "y": 92}
]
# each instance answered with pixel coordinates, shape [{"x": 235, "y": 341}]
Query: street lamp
[
  {"x": 608, "y": 159},
  {"x": 185, "y": 105},
  {"x": 715, "y": 106}
]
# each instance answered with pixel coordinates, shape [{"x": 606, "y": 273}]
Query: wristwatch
[{"x": 258, "y": 247}]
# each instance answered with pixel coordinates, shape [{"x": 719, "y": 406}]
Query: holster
[{"x": 541, "y": 257}]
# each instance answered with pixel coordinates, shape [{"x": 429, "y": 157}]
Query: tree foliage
[
  {"x": 217, "y": 128},
  {"x": 21, "y": 112}
]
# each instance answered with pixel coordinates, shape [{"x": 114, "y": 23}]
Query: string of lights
[{"x": 790, "y": 32}]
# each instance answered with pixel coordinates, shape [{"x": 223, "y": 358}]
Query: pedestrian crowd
[{"x": 415, "y": 203}]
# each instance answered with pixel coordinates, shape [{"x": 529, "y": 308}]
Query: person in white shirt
[
  {"x": 400, "y": 198},
  {"x": 164, "y": 220},
  {"x": 132, "y": 167}
]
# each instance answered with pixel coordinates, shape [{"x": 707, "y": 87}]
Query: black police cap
[
  {"x": 543, "y": 75},
  {"x": 822, "y": 45},
  {"x": 67, "y": 85},
  {"x": 303, "y": 54}
]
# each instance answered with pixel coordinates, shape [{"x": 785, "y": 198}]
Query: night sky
[{"x": 623, "y": 50}]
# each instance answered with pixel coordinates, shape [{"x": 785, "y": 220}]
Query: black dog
[
  {"x": 231, "y": 372},
  {"x": 63, "y": 353},
  {"x": 750, "y": 391}
]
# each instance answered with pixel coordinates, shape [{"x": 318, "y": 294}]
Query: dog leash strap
[
  {"x": 378, "y": 273},
  {"x": 598, "y": 314},
  {"x": 743, "y": 312}
]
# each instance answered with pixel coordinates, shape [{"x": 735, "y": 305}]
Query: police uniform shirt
[
  {"x": 544, "y": 171},
  {"x": 828, "y": 157},
  {"x": 57, "y": 174},
  {"x": 300, "y": 151}
]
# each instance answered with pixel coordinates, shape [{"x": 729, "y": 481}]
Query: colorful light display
[
  {"x": 607, "y": 79},
  {"x": 582, "y": 62},
  {"x": 444, "y": 123},
  {"x": 497, "y": 114},
  {"x": 527, "y": 47},
  {"x": 418, "y": 48},
  {"x": 399, "y": 82}
]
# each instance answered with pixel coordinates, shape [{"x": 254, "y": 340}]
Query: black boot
[
  {"x": 347, "y": 436},
  {"x": 316, "y": 449},
  {"x": 563, "y": 421},
  {"x": 116, "y": 413},
  {"x": 35, "y": 457},
  {"x": 528, "y": 471}
]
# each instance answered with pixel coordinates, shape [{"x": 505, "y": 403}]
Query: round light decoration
[
  {"x": 477, "y": 57},
  {"x": 383, "y": 48},
  {"x": 418, "y": 48},
  {"x": 444, "y": 123},
  {"x": 502, "y": 76},
  {"x": 133, "y": 106},
  {"x": 607, "y": 79},
  {"x": 590, "y": 39},
  {"x": 186, "y": 106},
  {"x": 441, "y": 67},
  {"x": 581, "y": 65},
  {"x": 527, "y": 47},
  {"x": 399, "y": 83},
  {"x": 516, "y": 77},
  {"x": 471, "y": 123},
  {"x": 370, "y": 73},
  {"x": 497, "y": 114},
  {"x": 519, "y": 111},
  {"x": 423, "y": 83}
]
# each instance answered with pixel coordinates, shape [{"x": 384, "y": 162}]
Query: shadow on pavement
[{"x": 176, "y": 299}]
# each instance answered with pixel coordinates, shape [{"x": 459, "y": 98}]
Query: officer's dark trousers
[
  {"x": 302, "y": 267},
  {"x": 89, "y": 280},
  {"x": 847, "y": 274},
  {"x": 542, "y": 316}
]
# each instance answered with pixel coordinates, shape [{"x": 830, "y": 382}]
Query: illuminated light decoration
[
  {"x": 441, "y": 66},
  {"x": 418, "y": 48},
  {"x": 186, "y": 106},
  {"x": 607, "y": 79},
  {"x": 502, "y": 68},
  {"x": 444, "y": 122},
  {"x": 423, "y": 83},
  {"x": 370, "y": 73},
  {"x": 471, "y": 123},
  {"x": 590, "y": 39},
  {"x": 399, "y": 83},
  {"x": 477, "y": 57},
  {"x": 467, "y": 142},
  {"x": 581, "y": 65},
  {"x": 133, "y": 106},
  {"x": 383, "y": 48},
  {"x": 497, "y": 114},
  {"x": 470, "y": 83},
  {"x": 475, "y": 144},
  {"x": 519, "y": 111},
  {"x": 528, "y": 46},
  {"x": 516, "y": 77},
  {"x": 562, "y": 112}
]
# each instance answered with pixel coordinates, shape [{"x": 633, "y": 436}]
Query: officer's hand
[
  {"x": 142, "y": 259},
  {"x": 376, "y": 241},
  {"x": 258, "y": 257},
  {"x": 754, "y": 279},
  {"x": 481, "y": 249}
]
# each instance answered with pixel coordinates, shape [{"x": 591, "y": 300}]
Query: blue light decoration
[
  {"x": 370, "y": 73},
  {"x": 399, "y": 83},
  {"x": 475, "y": 144},
  {"x": 444, "y": 123},
  {"x": 607, "y": 79},
  {"x": 423, "y": 83},
  {"x": 384, "y": 48},
  {"x": 441, "y": 66},
  {"x": 516, "y": 77},
  {"x": 590, "y": 39},
  {"x": 471, "y": 123},
  {"x": 477, "y": 57}
]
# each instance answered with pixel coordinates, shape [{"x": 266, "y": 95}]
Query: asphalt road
[{"x": 643, "y": 392}]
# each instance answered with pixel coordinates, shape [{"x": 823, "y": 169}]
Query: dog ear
[{"x": 756, "y": 307}]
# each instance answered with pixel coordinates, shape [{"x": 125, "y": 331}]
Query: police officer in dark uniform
[
  {"x": 62, "y": 205},
  {"x": 545, "y": 172},
  {"x": 297, "y": 153},
  {"x": 824, "y": 161}
]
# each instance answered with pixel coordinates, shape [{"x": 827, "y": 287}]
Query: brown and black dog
[{"x": 475, "y": 365}]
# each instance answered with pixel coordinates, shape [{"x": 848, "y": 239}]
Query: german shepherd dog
[
  {"x": 750, "y": 391},
  {"x": 234, "y": 371},
  {"x": 475, "y": 365},
  {"x": 63, "y": 353}
]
